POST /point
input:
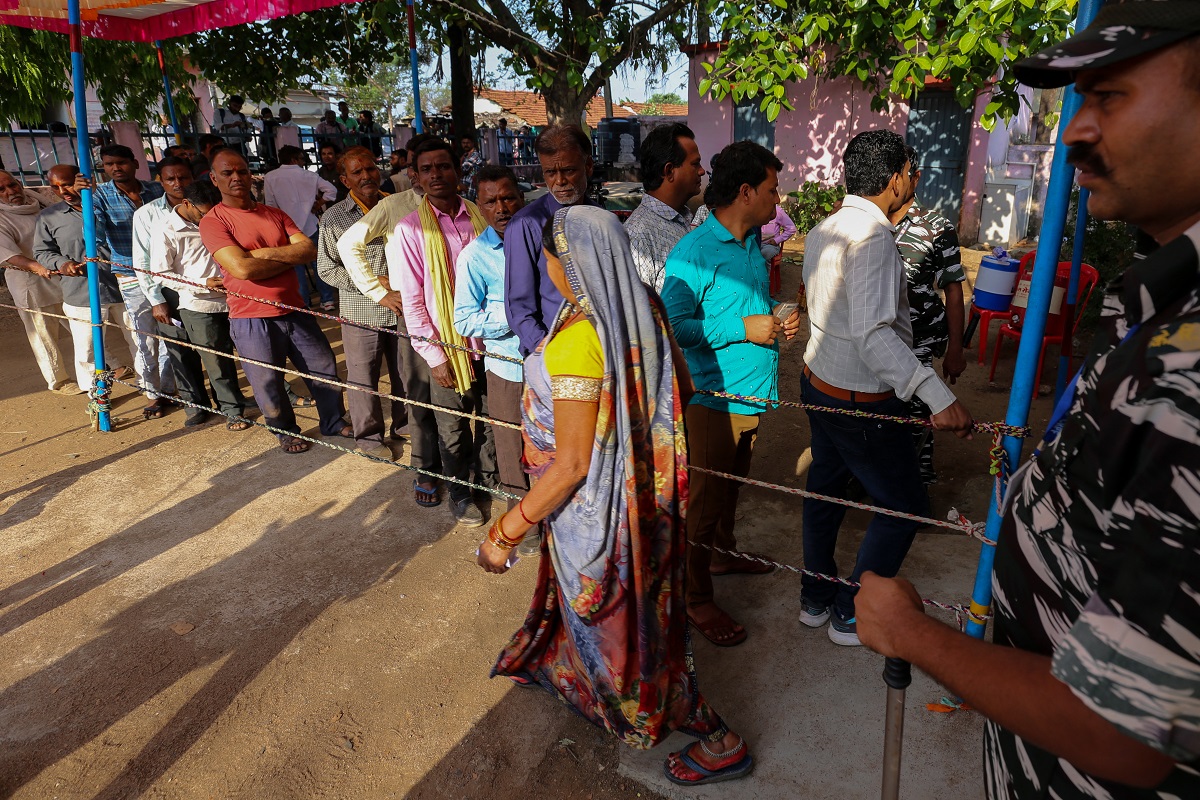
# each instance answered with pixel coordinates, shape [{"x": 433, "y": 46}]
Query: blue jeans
[
  {"x": 882, "y": 456},
  {"x": 327, "y": 292}
]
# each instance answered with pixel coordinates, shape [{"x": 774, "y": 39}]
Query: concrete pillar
[
  {"x": 130, "y": 135},
  {"x": 286, "y": 136}
]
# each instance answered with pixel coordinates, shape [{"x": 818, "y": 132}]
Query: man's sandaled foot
[
  {"x": 238, "y": 424},
  {"x": 742, "y": 566},
  {"x": 697, "y": 764},
  {"x": 155, "y": 410},
  {"x": 347, "y": 432},
  {"x": 292, "y": 445},
  {"x": 717, "y": 626},
  {"x": 303, "y": 402},
  {"x": 427, "y": 495}
]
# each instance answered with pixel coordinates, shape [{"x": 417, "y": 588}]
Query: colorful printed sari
[{"x": 607, "y": 631}]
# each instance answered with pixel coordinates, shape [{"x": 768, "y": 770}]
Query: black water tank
[{"x": 618, "y": 140}]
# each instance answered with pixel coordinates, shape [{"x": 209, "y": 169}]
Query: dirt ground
[{"x": 196, "y": 615}]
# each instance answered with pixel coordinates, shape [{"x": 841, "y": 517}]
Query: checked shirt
[
  {"x": 353, "y": 304},
  {"x": 1098, "y": 563},
  {"x": 928, "y": 245}
]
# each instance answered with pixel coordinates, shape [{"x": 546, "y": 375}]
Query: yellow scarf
[{"x": 441, "y": 272}]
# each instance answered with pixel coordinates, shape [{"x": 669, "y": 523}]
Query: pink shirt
[
  {"x": 780, "y": 229},
  {"x": 408, "y": 275}
]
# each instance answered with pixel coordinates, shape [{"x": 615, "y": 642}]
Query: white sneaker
[{"x": 813, "y": 616}]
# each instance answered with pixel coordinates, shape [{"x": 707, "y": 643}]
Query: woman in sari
[{"x": 603, "y": 427}]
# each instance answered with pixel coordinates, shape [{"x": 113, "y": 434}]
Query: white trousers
[
  {"x": 81, "y": 333},
  {"x": 150, "y": 359},
  {"x": 47, "y": 338}
]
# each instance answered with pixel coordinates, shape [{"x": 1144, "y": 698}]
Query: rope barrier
[
  {"x": 285, "y": 369},
  {"x": 999, "y": 428},
  {"x": 311, "y": 312},
  {"x": 957, "y": 522}
]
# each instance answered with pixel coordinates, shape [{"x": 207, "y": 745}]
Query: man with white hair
[{"x": 31, "y": 285}]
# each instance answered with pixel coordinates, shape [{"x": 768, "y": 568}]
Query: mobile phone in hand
[{"x": 784, "y": 310}]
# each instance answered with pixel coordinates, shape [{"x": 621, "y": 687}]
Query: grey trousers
[
  {"x": 422, "y": 427},
  {"x": 367, "y": 352},
  {"x": 504, "y": 403},
  {"x": 467, "y": 445}
]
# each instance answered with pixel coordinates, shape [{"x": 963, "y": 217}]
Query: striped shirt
[
  {"x": 353, "y": 304},
  {"x": 861, "y": 337}
]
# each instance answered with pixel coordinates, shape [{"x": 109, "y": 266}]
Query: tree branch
[{"x": 638, "y": 33}]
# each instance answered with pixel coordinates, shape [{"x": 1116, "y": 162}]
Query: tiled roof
[{"x": 531, "y": 108}]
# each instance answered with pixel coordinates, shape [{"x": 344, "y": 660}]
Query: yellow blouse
[{"x": 575, "y": 362}]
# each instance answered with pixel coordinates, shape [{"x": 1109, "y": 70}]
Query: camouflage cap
[{"x": 1123, "y": 29}]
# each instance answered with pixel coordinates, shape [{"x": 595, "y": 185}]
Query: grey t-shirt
[{"x": 57, "y": 240}]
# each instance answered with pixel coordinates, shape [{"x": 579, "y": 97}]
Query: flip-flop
[
  {"x": 738, "y": 769},
  {"x": 239, "y": 424},
  {"x": 427, "y": 497},
  {"x": 303, "y": 402},
  {"x": 155, "y": 410},
  {"x": 744, "y": 566},
  {"x": 723, "y": 621}
]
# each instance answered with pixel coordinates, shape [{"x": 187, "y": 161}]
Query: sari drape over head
[{"x": 607, "y": 631}]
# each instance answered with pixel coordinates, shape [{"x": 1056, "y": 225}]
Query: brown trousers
[
  {"x": 722, "y": 442},
  {"x": 504, "y": 404}
]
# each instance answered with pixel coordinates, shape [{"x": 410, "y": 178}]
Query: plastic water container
[{"x": 995, "y": 283}]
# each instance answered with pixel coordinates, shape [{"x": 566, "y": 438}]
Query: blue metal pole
[
  {"x": 79, "y": 86},
  {"x": 1041, "y": 290},
  {"x": 162, "y": 66},
  {"x": 1072, "y": 298},
  {"x": 418, "y": 117}
]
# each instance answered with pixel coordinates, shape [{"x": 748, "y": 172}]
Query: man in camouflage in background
[{"x": 928, "y": 244}]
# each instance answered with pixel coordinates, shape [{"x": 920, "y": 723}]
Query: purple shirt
[{"x": 531, "y": 300}]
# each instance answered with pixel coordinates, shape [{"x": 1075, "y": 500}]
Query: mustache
[{"x": 1085, "y": 155}]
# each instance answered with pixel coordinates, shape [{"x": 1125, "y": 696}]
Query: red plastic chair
[
  {"x": 774, "y": 275},
  {"x": 986, "y": 315},
  {"x": 1088, "y": 278}
]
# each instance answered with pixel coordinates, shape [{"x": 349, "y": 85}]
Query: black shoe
[
  {"x": 196, "y": 417},
  {"x": 467, "y": 512}
]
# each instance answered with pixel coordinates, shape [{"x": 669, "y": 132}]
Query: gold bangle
[{"x": 497, "y": 537}]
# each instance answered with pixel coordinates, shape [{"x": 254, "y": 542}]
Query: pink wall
[
  {"x": 711, "y": 120},
  {"x": 810, "y": 140},
  {"x": 975, "y": 175}
]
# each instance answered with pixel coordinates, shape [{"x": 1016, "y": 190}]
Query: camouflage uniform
[
  {"x": 928, "y": 244},
  {"x": 1098, "y": 564}
]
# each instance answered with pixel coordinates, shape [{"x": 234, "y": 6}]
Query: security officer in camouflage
[
  {"x": 928, "y": 244},
  {"x": 1091, "y": 685}
]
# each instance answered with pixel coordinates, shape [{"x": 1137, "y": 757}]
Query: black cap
[{"x": 1123, "y": 29}]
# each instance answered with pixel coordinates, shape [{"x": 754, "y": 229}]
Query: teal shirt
[{"x": 712, "y": 282}]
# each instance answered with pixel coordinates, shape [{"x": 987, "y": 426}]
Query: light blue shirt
[
  {"x": 479, "y": 304},
  {"x": 712, "y": 282}
]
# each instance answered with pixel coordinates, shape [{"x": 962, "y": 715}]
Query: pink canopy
[{"x": 149, "y": 20}]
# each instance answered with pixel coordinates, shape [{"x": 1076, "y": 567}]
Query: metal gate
[{"x": 940, "y": 129}]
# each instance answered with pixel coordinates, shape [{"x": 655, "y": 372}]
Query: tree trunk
[
  {"x": 565, "y": 105},
  {"x": 462, "y": 90}
]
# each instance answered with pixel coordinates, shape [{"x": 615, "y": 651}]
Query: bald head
[
  {"x": 231, "y": 174},
  {"x": 63, "y": 172},
  {"x": 62, "y": 181}
]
